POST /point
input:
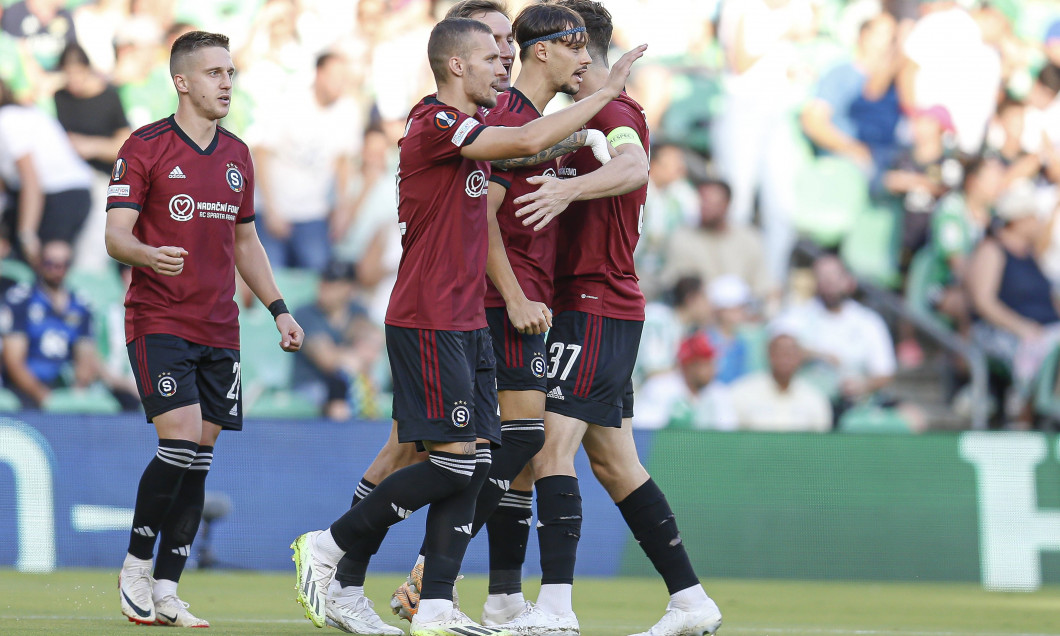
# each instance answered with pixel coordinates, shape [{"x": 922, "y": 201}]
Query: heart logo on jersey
[{"x": 181, "y": 207}]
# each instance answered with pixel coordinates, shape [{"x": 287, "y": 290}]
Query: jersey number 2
[{"x": 233, "y": 393}]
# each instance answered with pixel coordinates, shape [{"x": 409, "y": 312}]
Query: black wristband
[{"x": 278, "y": 307}]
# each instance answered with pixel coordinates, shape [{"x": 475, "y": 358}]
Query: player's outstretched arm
[
  {"x": 627, "y": 172},
  {"x": 253, "y": 266},
  {"x": 592, "y": 138},
  {"x": 123, "y": 246},
  {"x": 527, "y": 316},
  {"x": 498, "y": 142}
]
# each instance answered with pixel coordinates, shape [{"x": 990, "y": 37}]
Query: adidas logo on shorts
[{"x": 555, "y": 394}]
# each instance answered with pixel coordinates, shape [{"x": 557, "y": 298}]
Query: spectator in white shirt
[
  {"x": 777, "y": 400},
  {"x": 687, "y": 397},
  {"x": 848, "y": 342}
]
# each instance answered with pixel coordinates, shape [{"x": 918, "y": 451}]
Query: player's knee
[{"x": 454, "y": 472}]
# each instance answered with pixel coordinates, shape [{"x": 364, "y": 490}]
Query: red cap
[
  {"x": 940, "y": 114},
  {"x": 697, "y": 346}
]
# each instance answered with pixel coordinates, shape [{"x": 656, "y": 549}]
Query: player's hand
[
  {"x": 530, "y": 317},
  {"x": 167, "y": 260},
  {"x": 290, "y": 333},
  {"x": 545, "y": 203},
  {"x": 616, "y": 80}
]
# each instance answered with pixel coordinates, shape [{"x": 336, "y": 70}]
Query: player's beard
[
  {"x": 570, "y": 89},
  {"x": 487, "y": 98}
]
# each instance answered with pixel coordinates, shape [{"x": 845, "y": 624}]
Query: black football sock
[
  {"x": 348, "y": 571},
  {"x": 648, "y": 515},
  {"x": 159, "y": 485},
  {"x": 509, "y": 531},
  {"x": 362, "y": 529},
  {"x": 364, "y": 487},
  {"x": 522, "y": 439},
  {"x": 449, "y": 531},
  {"x": 182, "y": 522},
  {"x": 559, "y": 519}
]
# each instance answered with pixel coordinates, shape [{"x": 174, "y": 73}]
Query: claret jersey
[
  {"x": 532, "y": 254},
  {"x": 192, "y": 198},
  {"x": 441, "y": 279}
]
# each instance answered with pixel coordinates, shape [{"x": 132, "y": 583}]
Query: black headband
[{"x": 552, "y": 36}]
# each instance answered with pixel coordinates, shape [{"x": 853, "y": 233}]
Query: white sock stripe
[
  {"x": 362, "y": 490},
  {"x": 522, "y": 428},
  {"x": 178, "y": 463},
  {"x": 522, "y": 425},
  {"x": 169, "y": 450},
  {"x": 515, "y": 501},
  {"x": 448, "y": 461},
  {"x": 461, "y": 468}
]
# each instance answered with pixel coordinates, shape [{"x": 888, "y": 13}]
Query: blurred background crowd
[{"x": 850, "y": 225}]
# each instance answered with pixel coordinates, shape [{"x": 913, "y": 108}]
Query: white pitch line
[{"x": 738, "y": 629}]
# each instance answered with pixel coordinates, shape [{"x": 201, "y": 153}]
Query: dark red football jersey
[
  {"x": 594, "y": 254},
  {"x": 532, "y": 254},
  {"x": 191, "y": 198},
  {"x": 441, "y": 279}
]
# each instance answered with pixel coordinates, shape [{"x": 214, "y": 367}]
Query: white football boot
[
  {"x": 455, "y": 623},
  {"x": 314, "y": 577},
  {"x": 173, "y": 611},
  {"x": 676, "y": 622},
  {"x": 534, "y": 622},
  {"x": 353, "y": 614},
  {"x": 136, "y": 586}
]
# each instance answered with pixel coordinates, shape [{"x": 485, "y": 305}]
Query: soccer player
[
  {"x": 518, "y": 294},
  {"x": 592, "y": 346},
  {"x": 181, "y": 212},
  {"x": 439, "y": 347}
]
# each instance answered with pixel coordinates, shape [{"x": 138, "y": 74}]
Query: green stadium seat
[
  {"x": 695, "y": 100},
  {"x": 283, "y": 404},
  {"x": 1046, "y": 392},
  {"x": 831, "y": 194},
  {"x": 101, "y": 288},
  {"x": 17, "y": 271},
  {"x": 873, "y": 419},
  {"x": 870, "y": 248},
  {"x": 263, "y": 365},
  {"x": 298, "y": 286},
  {"x": 9, "y": 402},
  {"x": 94, "y": 400}
]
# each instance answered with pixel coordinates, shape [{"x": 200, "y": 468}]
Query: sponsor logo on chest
[{"x": 183, "y": 208}]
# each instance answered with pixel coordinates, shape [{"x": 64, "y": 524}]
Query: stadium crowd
[{"x": 802, "y": 149}]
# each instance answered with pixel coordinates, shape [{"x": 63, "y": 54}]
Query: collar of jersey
[{"x": 194, "y": 146}]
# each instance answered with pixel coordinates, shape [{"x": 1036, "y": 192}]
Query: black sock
[
  {"x": 559, "y": 527},
  {"x": 509, "y": 531},
  {"x": 182, "y": 522},
  {"x": 449, "y": 531},
  {"x": 363, "y": 488},
  {"x": 158, "y": 487},
  {"x": 349, "y": 571},
  {"x": 521, "y": 441},
  {"x": 648, "y": 515},
  {"x": 362, "y": 529}
]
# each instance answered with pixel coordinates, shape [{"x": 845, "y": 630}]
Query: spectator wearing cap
[
  {"x": 1017, "y": 318},
  {"x": 849, "y": 345},
  {"x": 341, "y": 345},
  {"x": 777, "y": 400},
  {"x": 730, "y": 300},
  {"x": 688, "y": 397},
  {"x": 855, "y": 110},
  {"x": 716, "y": 246},
  {"x": 923, "y": 173}
]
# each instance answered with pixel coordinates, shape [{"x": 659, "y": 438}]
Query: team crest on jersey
[
  {"x": 444, "y": 119},
  {"x": 234, "y": 178},
  {"x": 181, "y": 207},
  {"x": 475, "y": 186},
  {"x": 537, "y": 365},
  {"x": 461, "y": 414},
  {"x": 119, "y": 169},
  {"x": 167, "y": 386}
]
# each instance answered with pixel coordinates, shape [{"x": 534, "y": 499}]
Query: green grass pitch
[{"x": 85, "y": 602}]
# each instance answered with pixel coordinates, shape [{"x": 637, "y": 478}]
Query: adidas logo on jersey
[
  {"x": 177, "y": 173},
  {"x": 555, "y": 393}
]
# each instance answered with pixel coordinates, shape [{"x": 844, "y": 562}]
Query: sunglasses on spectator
[{"x": 55, "y": 264}]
